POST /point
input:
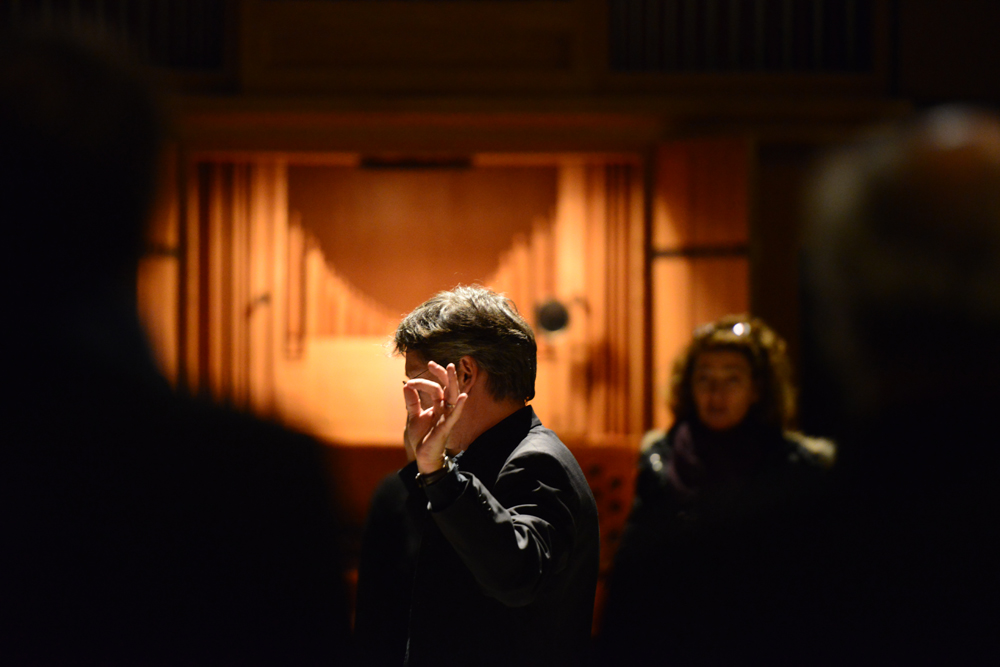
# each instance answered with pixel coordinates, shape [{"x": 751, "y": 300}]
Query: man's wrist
[
  {"x": 432, "y": 465},
  {"x": 443, "y": 490},
  {"x": 425, "y": 479}
]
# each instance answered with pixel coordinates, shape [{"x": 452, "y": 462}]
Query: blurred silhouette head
[
  {"x": 733, "y": 369},
  {"x": 903, "y": 264},
  {"x": 79, "y": 139}
]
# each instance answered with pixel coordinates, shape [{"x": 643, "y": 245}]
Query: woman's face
[{"x": 723, "y": 388}]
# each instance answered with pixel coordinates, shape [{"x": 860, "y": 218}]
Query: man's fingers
[
  {"x": 451, "y": 387},
  {"x": 433, "y": 407},
  {"x": 451, "y": 416},
  {"x": 438, "y": 371},
  {"x": 431, "y": 391},
  {"x": 419, "y": 422},
  {"x": 412, "y": 399}
]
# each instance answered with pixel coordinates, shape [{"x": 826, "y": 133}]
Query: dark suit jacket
[
  {"x": 141, "y": 527},
  {"x": 388, "y": 556},
  {"x": 507, "y": 570},
  {"x": 889, "y": 560}
]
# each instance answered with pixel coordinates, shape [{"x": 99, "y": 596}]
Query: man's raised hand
[{"x": 432, "y": 410}]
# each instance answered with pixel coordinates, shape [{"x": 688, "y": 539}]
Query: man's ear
[{"x": 468, "y": 372}]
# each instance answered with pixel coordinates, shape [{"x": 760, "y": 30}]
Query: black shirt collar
[{"x": 487, "y": 454}]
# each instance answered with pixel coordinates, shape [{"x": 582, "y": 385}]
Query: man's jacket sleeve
[{"x": 518, "y": 537}]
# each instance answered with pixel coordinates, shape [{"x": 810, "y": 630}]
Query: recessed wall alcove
[
  {"x": 368, "y": 244},
  {"x": 292, "y": 269},
  {"x": 399, "y": 234}
]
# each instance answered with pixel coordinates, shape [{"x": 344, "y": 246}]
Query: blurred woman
[
  {"x": 729, "y": 457},
  {"x": 733, "y": 404}
]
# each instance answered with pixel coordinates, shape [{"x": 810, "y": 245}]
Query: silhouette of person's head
[
  {"x": 903, "y": 269},
  {"x": 80, "y": 134}
]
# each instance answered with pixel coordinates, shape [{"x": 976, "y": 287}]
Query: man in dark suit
[
  {"x": 139, "y": 527},
  {"x": 508, "y": 559}
]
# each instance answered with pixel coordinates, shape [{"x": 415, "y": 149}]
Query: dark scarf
[{"x": 705, "y": 460}]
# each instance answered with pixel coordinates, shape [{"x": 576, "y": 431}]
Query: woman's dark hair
[{"x": 769, "y": 364}]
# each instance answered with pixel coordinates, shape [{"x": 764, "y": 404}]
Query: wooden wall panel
[
  {"x": 157, "y": 286},
  {"x": 591, "y": 377},
  {"x": 266, "y": 291},
  {"x": 240, "y": 301},
  {"x": 700, "y": 266},
  {"x": 637, "y": 303},
  {"x": 191, "y": 279},
  {"x": 686, "y": 294},
  {"x": 216, "y": 256},
  {"x": 295, "y": 276},
  {"x": 158, "y": 281},
  {"x": 400, "y": 235},
  {"x": 233, "y": 291},
  {"x": 701, "y": 194}
]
